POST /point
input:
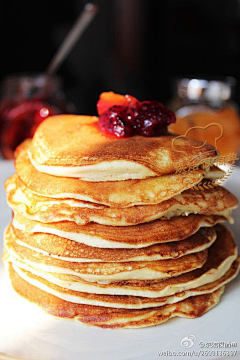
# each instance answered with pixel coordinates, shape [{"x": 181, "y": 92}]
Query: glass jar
[
  {"x": 27, "y": 99},
  {"x": 200, "y": 102}
]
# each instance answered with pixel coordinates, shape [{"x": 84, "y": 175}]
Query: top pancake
[{"x": 73, "y": 146}]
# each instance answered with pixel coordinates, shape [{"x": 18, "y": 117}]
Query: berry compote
[{"x": 125, "y": 116}]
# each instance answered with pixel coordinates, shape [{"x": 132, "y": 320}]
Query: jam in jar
[{"x": 27, "y": 99}]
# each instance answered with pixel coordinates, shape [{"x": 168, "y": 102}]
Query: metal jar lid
[{"x": 200, "y": 89}]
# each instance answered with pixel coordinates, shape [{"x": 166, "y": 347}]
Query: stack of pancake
[{"x": 107, "y": 232}]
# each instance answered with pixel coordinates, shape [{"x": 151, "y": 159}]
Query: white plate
[{"x": 29, "y": 333}]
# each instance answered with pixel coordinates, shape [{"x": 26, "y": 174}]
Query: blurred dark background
[{"x": 132, "y": 46}]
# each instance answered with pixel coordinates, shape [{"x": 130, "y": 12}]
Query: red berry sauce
[{"x": 146, "y": 118}]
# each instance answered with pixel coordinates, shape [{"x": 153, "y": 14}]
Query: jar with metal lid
[{"x": 200, "y": 102}]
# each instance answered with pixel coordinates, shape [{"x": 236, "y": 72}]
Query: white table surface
[{"x": 29, "y": 333}]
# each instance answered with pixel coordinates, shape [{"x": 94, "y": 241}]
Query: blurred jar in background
[
  {"x": 199, "y": 102},
  {"x": 27, "y": 99}
]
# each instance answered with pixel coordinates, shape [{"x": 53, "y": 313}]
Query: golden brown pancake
[
  {"x": 107, "y": 317},
  {"x": 64, "y": 249},
  {"x": 128, "y": 237},
  {"x": 216, "y": 201},
  {"x": 221, "y": 255},
  {"x": 125, "y": 302},
  {"x": 105, "y": 271},
  {"x": 72, "y": 146},
  {"x": 130, "y": 253},
  {"x": 112, "y": 193}
]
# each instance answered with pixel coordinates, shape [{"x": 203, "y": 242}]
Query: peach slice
[{"x": 109, "y": 99}]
